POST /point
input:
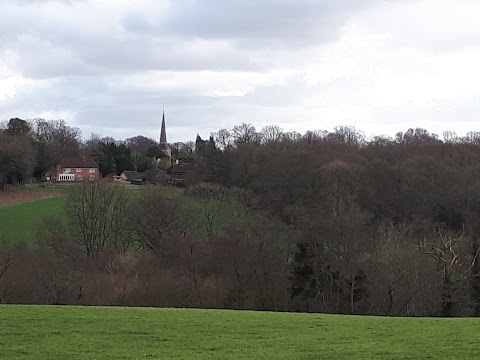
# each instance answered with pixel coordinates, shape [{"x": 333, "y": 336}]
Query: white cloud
[
  {"x": 7, "y": 87},
  {"x": 109, "y": 66},
  {"x": 10, "y": 82}
]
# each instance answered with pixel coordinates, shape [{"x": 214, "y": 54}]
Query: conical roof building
[
  {"x": 163, "y": 135},
  {"x": 166, "y": 160}
]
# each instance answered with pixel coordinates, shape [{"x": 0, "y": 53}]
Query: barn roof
[
  {"x": 132, "y": 175},
  {"x": 182, "y": 168}
]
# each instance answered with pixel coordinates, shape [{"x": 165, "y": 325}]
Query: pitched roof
[
  {"x": 132, "y": 175},
  {"x": 51, "y": 170},
  {"x": 163, "y": 132},
  {"x": 78, "y": 162},
  {"x": 180, "y": 168}
]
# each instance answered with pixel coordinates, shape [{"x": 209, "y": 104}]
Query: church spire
[{"x": 163, "y": 133}]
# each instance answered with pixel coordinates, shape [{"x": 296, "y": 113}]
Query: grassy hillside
[
  {"x": 41, "y": 332},
  {"x": 19, "y": 221}
]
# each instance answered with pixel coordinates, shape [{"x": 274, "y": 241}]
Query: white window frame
[
  {"x": 79, "y": 170},
  {"x": 65, "y": 177},
  {"x": 92, "y": 170}
]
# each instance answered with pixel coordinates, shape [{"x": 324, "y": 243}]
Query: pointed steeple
[{"x": 163, "y": 132}]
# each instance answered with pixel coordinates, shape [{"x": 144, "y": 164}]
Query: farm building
[
  {"x": 132, "y": 177},
  {"x": 180, "y": 173}
]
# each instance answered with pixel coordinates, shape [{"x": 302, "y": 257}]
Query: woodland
[{"x": 326, "y": 221}]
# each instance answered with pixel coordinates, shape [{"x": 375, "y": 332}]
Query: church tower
[
  {"x": 163, "y": 145},
  {"x": 163, "y": 132}
]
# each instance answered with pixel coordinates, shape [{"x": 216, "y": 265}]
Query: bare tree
[
  {"x": 417, "y": 135},
  {"x": 472, "y": 138},
  {"x": 121, "y": 271},
  {"x": 291, "y": 136},
  {"x": 380, "y": 140},
  {"x": 244, "y": 134},
  {"x": 348, "y": 135},
  {"x": 315, "y": 135},
  {"x": 98, "y": 213},
  {"x": 342, "y": 185},
  {"x": 155, "y": 220},
  {"x": 56, "y": 139},
  {"x": 140, "y": 143},
  {"x": 189, "y": 146},
  {"x": 450, "y": 137},
  {"x": 139, "y": 146},
  {"x": 5, "y": 264},
  {"x": 210, "y": 213},
  {"x": 453, "y": 265},
  {"x": 223, "y": 139},
  {"x": 397, "y": 273},
  {"x": 271, "y": 133}
]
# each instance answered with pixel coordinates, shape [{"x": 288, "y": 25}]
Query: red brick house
[{"x": 75, "y": 169}]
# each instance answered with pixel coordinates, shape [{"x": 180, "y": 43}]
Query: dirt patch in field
[{"x": 16, "y": 196}]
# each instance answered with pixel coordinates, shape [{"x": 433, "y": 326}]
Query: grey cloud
[
  {"x": 98, "y": 106},
  {"x": 109, "y": 57},
  {"x": 41, "y": 57},
  {"x": 164, "y": 54},
  {"x": 236, "y": 34},
  {"x": 29, "y": 2},
  {"x": 262, "y": 23},
  {"x": 82, "y": 62}
]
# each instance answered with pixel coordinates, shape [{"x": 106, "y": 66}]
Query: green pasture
[
  {"x": 51, "y": 188},
  {"x": 19, "y": 221},
  {"x": 46, "y": 332}
]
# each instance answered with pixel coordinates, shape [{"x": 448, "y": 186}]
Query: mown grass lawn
[
  {"x": 47, "y": 332},
  {"x": 20, "y": 221}
]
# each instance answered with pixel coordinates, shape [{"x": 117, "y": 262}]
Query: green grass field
[
  {"x": 19, "y": 221},
  {"x": 43, "y": 332}
]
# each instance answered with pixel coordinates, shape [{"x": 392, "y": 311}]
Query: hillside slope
[
  {"x": 19, "y": 221},
  {"x": 47, "y": 332}
]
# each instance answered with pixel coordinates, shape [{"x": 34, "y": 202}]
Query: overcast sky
[{"x": 110, "y": 66}]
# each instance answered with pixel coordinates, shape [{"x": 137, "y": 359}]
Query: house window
[
  {"x": 79, "y": 170},
  {"x": 91, "y": 171},
  {"x": 66, "y": 177},
  {"x": 67, "y": 170},
  {"x": 79, "y": 177}
]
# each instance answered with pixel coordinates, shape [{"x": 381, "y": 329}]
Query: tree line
[
  {"x": 29, "y": 147},
  {"x": 151, "y": 248},
  {"x": 344, "y": 224},
  {"x": 385, "y": 225}
]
